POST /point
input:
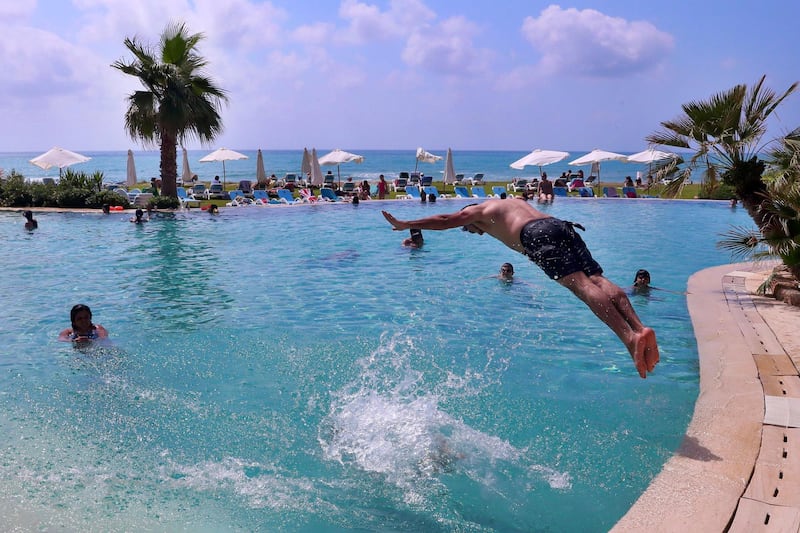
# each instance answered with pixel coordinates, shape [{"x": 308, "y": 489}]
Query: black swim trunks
[{"x": 554, "y": 245}]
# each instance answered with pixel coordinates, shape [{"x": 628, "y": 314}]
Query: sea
[{"x": 495, "y": 165}]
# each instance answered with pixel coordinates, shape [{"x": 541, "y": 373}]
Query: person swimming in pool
[
  {"x": 82, "y": 330},
  {"x": 30, "y": 222},
  {"x": 138, "y": 217},
  {"x": 641, "y": 283},
  {"x": 560, "y": 252},
  {"x": 415, "y": 240},
  {"x": 506, "y": 272}
]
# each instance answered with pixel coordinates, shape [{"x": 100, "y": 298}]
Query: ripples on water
[{"x": 285, "y": 369}]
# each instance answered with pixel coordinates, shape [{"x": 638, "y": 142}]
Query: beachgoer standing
[
  {"x": 383, "y": 187},
  {"x": 560, "y": 252}
]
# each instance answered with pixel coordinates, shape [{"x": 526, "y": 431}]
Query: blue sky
[{"x": 354, "y": 74}]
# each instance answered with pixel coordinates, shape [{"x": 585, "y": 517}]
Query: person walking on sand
[{"x": 560, "y": 252}]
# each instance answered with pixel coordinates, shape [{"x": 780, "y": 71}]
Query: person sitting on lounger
[
  {"x": 545, "y": 189},
  {"x": 557, "y": 248},
  {"x": 82, "y": 330}
]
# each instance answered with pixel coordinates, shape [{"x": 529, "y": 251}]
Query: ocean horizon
[{"x": 494, "y": 164}]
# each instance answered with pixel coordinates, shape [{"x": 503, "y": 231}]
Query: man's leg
[{"x": 640, "y": 343}]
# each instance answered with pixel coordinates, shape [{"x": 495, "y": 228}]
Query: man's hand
[{"x": 396, "y": 224}]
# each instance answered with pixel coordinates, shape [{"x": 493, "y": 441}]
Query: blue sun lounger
[
  {"x": 328, "y": 195},
  {"x": 412, "y": 193},
  {"x": 461, "y": 192},
  {"x": 560, "y": 191},
  {"x": 479, "y": 192},
  {"x": 286, "y": 197}
]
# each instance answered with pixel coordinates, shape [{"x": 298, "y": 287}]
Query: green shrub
[
  {"x": 165, "y": 202},
  {"x": 14, "y": 192},
  {"x": 97, "y": 200},
  {"x": 72, "y": 196}
]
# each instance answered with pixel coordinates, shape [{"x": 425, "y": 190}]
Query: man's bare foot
[
  {"x": 639, "y": 349},
  {"x": 645, "y": 351},
  {"x": 651, "y": 355}
]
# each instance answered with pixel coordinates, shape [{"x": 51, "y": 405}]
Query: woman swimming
[{"x": 82, "y": 329}]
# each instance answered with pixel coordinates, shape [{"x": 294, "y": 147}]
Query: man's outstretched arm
[{"x": 435, "y": 222}]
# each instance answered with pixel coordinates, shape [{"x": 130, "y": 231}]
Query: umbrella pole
[{"x": 224, "y": 176}]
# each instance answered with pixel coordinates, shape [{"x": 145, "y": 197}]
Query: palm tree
[
  {"x": 725, "y": 133},
  {"x": 178, "y": 101}
]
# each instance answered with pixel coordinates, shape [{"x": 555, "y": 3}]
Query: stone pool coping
[{"x": 737, "y": 469}]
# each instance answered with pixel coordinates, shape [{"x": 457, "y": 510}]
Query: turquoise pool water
[{"x": 295, "y": 369}]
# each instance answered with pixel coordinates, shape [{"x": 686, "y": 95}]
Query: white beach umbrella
[
  {"x": 222, "y": 154},
  {"x": 186, "y": 172},
  {"x": 338, "y": 157},
  {"x": 130, "y": 175},
  {"x": 425, "y": 157},
  {"x": 651, "y": 155},
  {"x": 58, "y": 157},
  {"x": 449, "y": 171},
  {"x": 596, "y": 157},
  {"x": 261, "y": 174},
  {"x": 316, "y": 171},
  {"x": 539, "y": 158}
]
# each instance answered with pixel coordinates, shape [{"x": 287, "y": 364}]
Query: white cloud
[
  {"x": 447, "y": 49},
  {"x": 591, "y": 44},
  {"x": 369, "y": 24},
  {"x": 16, "y": 9}
]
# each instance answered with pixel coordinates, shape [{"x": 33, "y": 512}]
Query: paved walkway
[{"x": 738, "y": 468}]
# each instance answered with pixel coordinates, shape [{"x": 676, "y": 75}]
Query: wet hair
[
  {"x": 139, "y": 213},
  {"x": 416, "y": 236},
  {"x": 642, "y": 273},
  {"x": 77, "y": 309},
  {"x": 508, "y": 266},
  {"x": 28, "y": 214}
]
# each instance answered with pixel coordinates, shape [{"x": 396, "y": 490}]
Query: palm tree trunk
[{"x": 169, "y": 165}]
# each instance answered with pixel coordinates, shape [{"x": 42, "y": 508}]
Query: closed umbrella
[
  {"x": 425, "y": 157},
  {"x": 186, "y": 173},
  {"x": 222, "y": 154},
  {"x": 58, "y": 157},
  {"x": 449, "y": 171},
  {"x": 316, "y": 171},
  {"x": 130, "y": 176},
  {"x": 338, "y": 157},
  {"x": 261, "y": 174},
  {"x": 596, "y": 157},
  {"x": 539, "y": 158},
  {"x": 305, "y": 164}
]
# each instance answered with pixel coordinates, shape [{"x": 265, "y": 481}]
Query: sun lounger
[
  {"x": 610, "y": 192},
  {"x": 477, "y": 179},
  {"x": 400, "y": 184},
  {"x": 328, "y": 181},
  {"x": 199, "y": 190},
  {"x": 499, "y": 190},
  {"x": 185, "y": 199},
  {"x": 426, "y": 181},
  {"x": 560, "y": 191},
  {"x": 430, "y": 189},
  {"x": 286, "y": 197},
  {"x": 413, "y": 193},
  {"x": 349, "y": 188},
  {"x": 217, "y": 192},
  {"x": 461, "y": 192},
  {"x": 142, "y": 199},
  {"x": 586, "y": 192},
  {"x": 629, "y": 192},
  {"x": 306, "y": 195},
  {"x": 479, "y": 192},
  {"x": 328, "y": 195},
  {"x": 520, "y": 184}
]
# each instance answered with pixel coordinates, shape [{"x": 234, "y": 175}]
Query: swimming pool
[{"x": 284, "y": 369}]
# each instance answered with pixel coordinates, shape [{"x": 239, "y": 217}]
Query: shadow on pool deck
[{"x": 738, "y": 468}]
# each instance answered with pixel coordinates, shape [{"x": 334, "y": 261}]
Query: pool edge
[{"x": 700, "y": 487}]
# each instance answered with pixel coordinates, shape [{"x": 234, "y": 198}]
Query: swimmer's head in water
[{"x": 77, "y": 311}]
